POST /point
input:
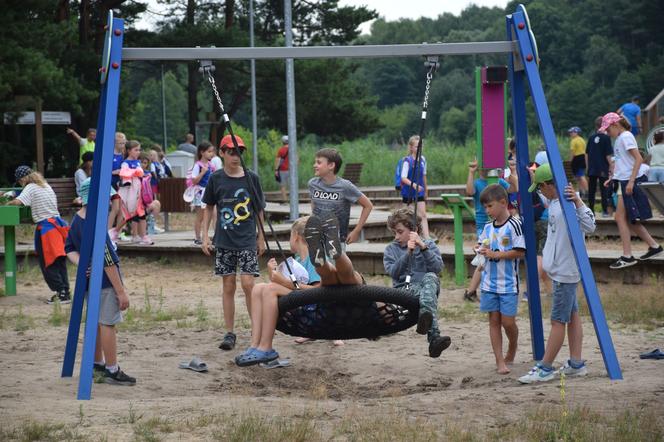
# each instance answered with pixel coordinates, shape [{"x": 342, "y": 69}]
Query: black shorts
[
  {"x": 408, "y": 200},
  {"x": 637, "y": 205},
  {"x": 579, "y": 165},
  {"x": 226, "y": 262},
  {"x": 137, "y": 219}
]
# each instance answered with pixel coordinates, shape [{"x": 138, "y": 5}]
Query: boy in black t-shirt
[{"x": 237, "y": 245}]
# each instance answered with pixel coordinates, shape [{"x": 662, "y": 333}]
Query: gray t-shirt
[
  {"x": 334, "y": 198},
  {"x": 187, "y": 147},
  {"x": 236, "y": 220}
]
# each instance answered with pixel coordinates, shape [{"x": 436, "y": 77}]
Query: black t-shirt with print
[{"x": 236, "y": 220}]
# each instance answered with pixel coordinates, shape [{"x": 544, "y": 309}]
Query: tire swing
[{"x": 359, "y": 311}]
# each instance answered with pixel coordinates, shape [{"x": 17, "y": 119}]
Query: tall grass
[{"x": 447, "y": 163}]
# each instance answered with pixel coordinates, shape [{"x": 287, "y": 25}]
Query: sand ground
[{"x": 390, "y": 377}]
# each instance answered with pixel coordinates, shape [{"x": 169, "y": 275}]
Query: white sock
[
  {"x": 112, "y": 368},
  {"x": 99, "y": 362}
]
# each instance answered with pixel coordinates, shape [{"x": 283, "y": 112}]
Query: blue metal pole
[
  {"x": 529, "y": 62},
  {"x": 95, "y": 226},
  {"x": 526, "y": 204}
]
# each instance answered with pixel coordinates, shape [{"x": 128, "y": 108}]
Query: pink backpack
[
  {"x": 190, "y": 179},
  {"x": 147, "y": 195}
]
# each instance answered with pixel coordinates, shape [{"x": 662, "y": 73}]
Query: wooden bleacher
[{"x": 65, "y": 192}]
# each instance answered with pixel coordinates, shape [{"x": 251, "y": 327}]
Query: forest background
[{"x": 595, "y": 56}]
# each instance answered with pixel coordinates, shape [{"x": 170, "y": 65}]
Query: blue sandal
[
  {"x": 655, "y": 354},
  {"x": 255, "y": 356}
]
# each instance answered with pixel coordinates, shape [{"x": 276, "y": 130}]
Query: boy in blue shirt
[
  {"x": 113, "y": 298},
  {"x": 474, "y": 188},
  {"x": 502, "y": 244}
]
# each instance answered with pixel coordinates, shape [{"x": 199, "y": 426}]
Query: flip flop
[
  {"x": 655, "y": 354},
  {"x": 195, "y": 364},
  {"x": 277, "y": 363},
  {"x": 256, "y": 357}
]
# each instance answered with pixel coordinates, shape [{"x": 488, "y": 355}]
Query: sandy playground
[{"x": 384, "y": 390}]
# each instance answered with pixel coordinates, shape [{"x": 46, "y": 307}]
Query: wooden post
[{"x": 39, "y": 135}]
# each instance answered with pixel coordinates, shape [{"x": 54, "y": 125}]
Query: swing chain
[
  {"x": 425, "y": 105},
  {"x": 216, "y": 92}
]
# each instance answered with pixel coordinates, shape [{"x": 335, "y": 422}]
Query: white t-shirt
[
  {"x": 624, "y": 160},
  {"x": 502, "y": 276},
  {"x": 216, "y": 162},
  {"x": 42, "y": 201},
  {"x": 405, "y": 167}
]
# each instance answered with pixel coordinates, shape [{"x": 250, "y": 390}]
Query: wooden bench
[
  {"x": 65, "y": 192},
  {"x": 352, "y": 172},
  {"x": 170, "y": 197}
]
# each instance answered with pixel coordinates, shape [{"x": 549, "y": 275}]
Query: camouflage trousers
[{"x": 427, "y": 290}]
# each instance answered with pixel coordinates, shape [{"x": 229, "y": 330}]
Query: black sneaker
[
  {"x": 438, "y": 344},
  {"x": 652, "y": 251},
  {"x": 470, "y": 296},
  {"x": 424, "y": 322},
  {"x": 313, "y": 236},
  {"x": 229, "y": 341},
  {"x": 118, "y": 378},
  {"x": 63, "y": 297},
  {"x": 624, "y": 262},
  {"x": 99, "y": 368},
  {"x": 330, "y": 230}
]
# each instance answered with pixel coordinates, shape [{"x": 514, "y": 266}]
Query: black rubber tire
[{"x": 350, "y": 312}]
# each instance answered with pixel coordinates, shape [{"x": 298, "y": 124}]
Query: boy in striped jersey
[{"x": 502, "y": 244}]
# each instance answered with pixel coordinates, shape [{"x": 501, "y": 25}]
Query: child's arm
[
  {"x": 76, "y": 136},
  {"x": 113, "y": 275},
  {"x": 208, "y": 214},
  {"x": 203, "y": 170},
  {"x": 14, "y": 202},
  {"x": 367, "y": 207},
  {"x": 584, "y": 215},
  {"x": 395, "y": 265},
  {"x": 498, "y": 255},
  {"x": 470, "y": 182}
]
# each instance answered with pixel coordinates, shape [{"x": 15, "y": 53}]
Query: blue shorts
[
  {"x": 505, "y": 303},
  {"x": 564, "y": 301}
]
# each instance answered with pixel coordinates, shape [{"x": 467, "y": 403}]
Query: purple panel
[{"x": 493, "y": 126}]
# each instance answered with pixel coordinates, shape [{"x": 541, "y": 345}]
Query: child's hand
[
  {"x": 571, "y": 195},
  {"x": 123, "y": 301},
  {"x": 205, "y": 246},
  {"x": 414, "y": 240},
  {"x": 472, "y": 166},
  {"x": 204, "y": 169},
  {"x": 488, "y": 253}
]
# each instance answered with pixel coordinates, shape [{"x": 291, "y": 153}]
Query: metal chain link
[
  {"x": 425, "y": 105},
  {"x": 216, "y": 92}
]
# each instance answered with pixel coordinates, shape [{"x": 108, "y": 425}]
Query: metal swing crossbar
[{"x": 522, "y": 64}]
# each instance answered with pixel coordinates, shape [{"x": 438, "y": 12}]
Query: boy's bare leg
[
  {"x": 270, "y": 302},
  {"x": 99, "y": 355},
  {"x": 247, "y": 283},
  {"x": 575, "y": 336},
  {"x": 228, "y": 301},
  {"x": 109, "y": 344},
  {"x": 496, "y": 336},
  {"x": 328, "y": 274},
  {"x": 512, "y": 332},
  {"x": 475, "y": 280},
  {"x": 555, "y": 342},
  {"x": 345, "y": 271},
  {"x": 257, "y": 313}
]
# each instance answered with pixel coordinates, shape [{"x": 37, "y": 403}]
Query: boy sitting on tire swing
[{"x": 426, "y": 264}]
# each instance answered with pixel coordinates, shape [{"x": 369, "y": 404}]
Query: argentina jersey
[{"x": 502, "y": 276}]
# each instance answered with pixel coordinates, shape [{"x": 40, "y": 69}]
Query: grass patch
[
  {"x": 268, "y": 429},
  {"x": 460, "y": 312},
  {"x": 41, "y": 431},
  {"x": 583, "y": 424},
  {"x": 150, "y": 429},
  {"x": 152, "y": 314},
  {"x": 23, "y": 322},
  {"x": 57, "y": 317},
  {"x": 642, "y": 306}
]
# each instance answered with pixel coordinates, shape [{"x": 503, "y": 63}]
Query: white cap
[{"x": 284, "y": 139}]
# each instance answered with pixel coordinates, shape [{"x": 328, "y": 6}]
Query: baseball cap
[
  {"x": 608, "y": 120},
  {"x": 227, "y": 142},
  {"x": 284, "y": 139},
  {"x": 22, "y": 172},
  {"x": 542, "y": 175},
  {"x": 575, "y": 129}
]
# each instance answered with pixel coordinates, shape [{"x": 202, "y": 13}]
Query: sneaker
[
  {"x": 198, "y": 242},
  {"x": 330, "y": 230},
  {"x": 470, "y": 296},
  {"x": 63, "y": 297},
  {"x": 606, "y": 215},
  {"x": 623, "y": 262},
  {"x": 158, "y": 230},
  {"x": 424, "y": 322},
  {"x": 99, "y": 368},
  {"x": 537, "y": 374},
  {"x": 135, "y": 239},
  {"x": 652, "y": 251},
  {"x": 524, "y": 298},
  {"x": 314, "y": 238},
  {"x": 118, "y": 378},
  {"x": 570, "y": 371},
  {"x": 229, "y": 341},
  {"x": 146, "y": 241},
  {"x": 438, "y": 344},
  {"x": 122, "y": 237}
]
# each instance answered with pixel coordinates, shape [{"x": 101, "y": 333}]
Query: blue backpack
[{"x": 397, "y": 174}]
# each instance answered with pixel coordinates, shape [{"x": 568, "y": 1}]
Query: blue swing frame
[{"x": 521, "y": 65}]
